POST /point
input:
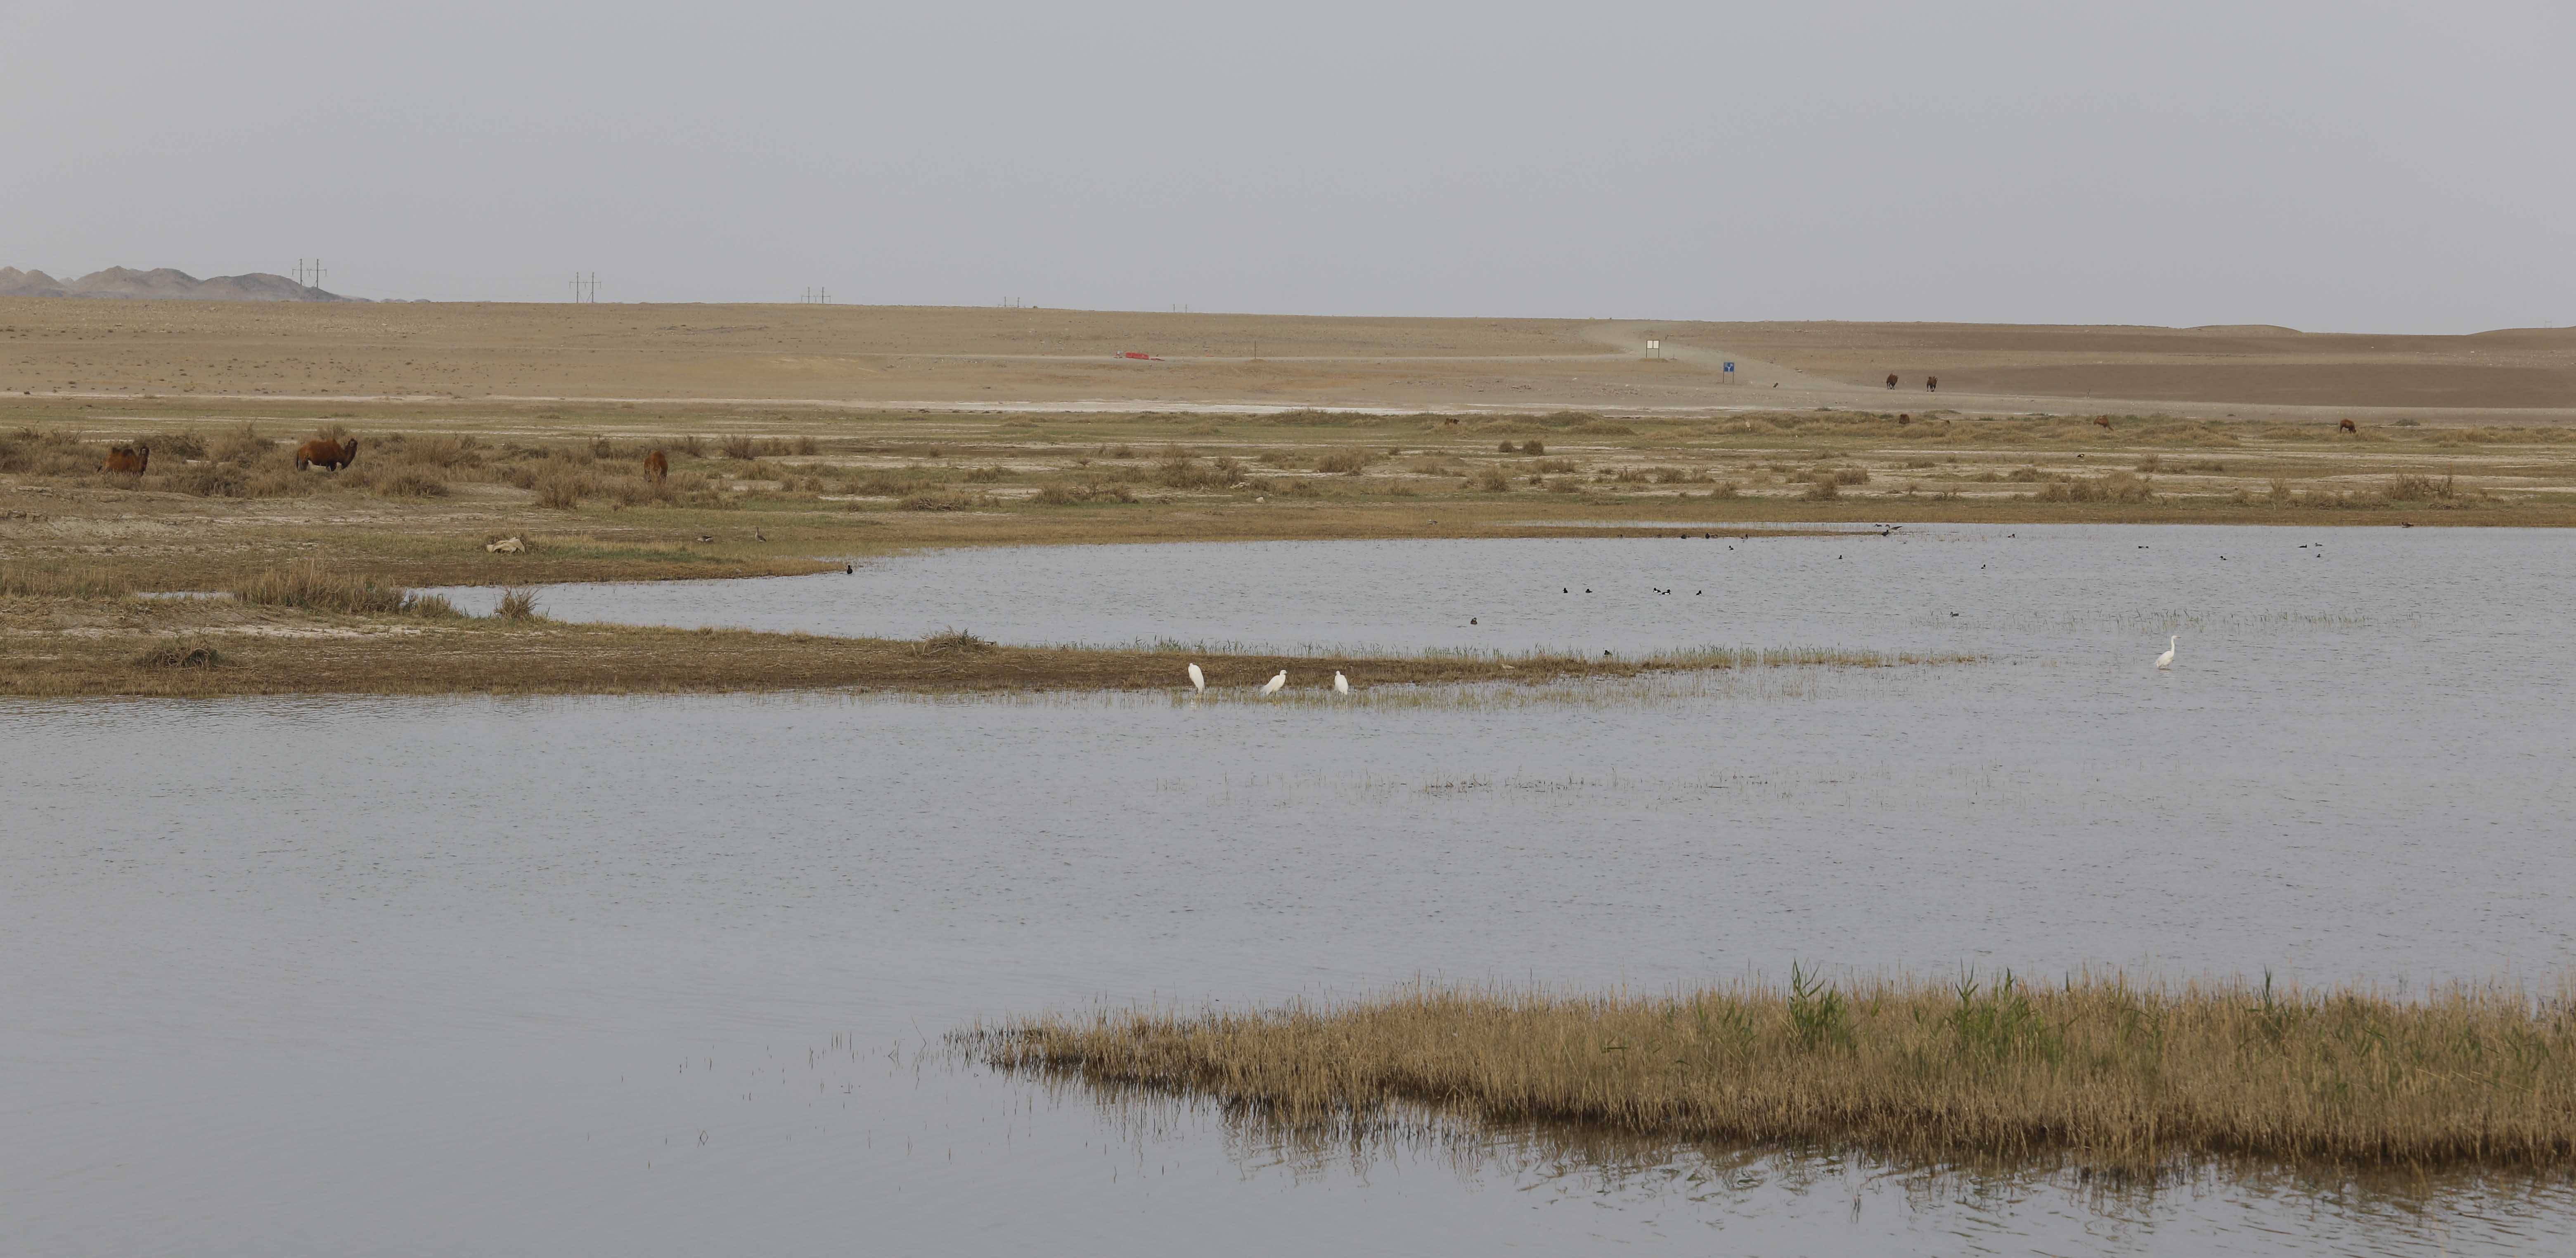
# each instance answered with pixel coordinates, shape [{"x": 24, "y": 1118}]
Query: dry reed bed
[{"x": 2095, "y": 1070}]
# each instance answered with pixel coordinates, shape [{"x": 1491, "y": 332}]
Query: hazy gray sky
[{"x": 2348, "y": 165}]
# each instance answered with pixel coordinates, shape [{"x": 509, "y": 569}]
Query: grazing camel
[
  {"x": 129, "y": 459},
  {"x": 2350, "y": 427},
  {"x": 322, "y": 452},
  {"x": 1903, "y": 420},
  {"x": 1891, "y": 380},
  {"x": 657, "y": 468},
  {"x": 1933, "y": 383},
  {"x": 2102, "y": 422}
]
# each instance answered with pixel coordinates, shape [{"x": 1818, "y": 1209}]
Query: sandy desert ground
[{"x": 956, "y": 357}]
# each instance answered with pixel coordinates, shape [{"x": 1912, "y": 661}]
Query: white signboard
[{"x": 1654, "y": 345}]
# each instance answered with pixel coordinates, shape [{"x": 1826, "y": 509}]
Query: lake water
[{"x": 667, "y": 975}]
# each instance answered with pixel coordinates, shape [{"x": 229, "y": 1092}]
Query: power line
[
  {"x": 309, "y": 272},
  {"x": 585, "y": 288}
]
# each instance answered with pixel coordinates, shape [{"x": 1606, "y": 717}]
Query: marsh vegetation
[{"x": 2092, "y": 1069}]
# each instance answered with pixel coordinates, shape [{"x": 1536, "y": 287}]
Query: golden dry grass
[{"x": 2096, "y": 1070}]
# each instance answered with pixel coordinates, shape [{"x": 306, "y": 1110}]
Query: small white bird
[
  {"x": 2166, "y": 660},
  {"x": 1271, "y": 687},
  {"x": 1341, "y": 684},
  {"x": 1198, "y": 679}
]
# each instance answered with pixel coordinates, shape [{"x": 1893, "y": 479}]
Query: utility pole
[
  {"x": 308, "y": 272},
  {"x": 585, "y": 288}
]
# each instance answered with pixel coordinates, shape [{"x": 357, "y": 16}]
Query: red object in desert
[{"x": 1133, "y": 354}]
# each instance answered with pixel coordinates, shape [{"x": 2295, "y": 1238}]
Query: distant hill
[{"x": 164, "y": 284}]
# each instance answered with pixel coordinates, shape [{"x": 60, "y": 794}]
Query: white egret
[
  {"x": 1198, "y": 679},
  {"x": 2166, "y": 660},
  {"x": 1341, "y": 684},
  {"x": 1271, "y": 687}
]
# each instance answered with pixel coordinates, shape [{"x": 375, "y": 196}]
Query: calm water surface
[{"x": 648, "y": 976}]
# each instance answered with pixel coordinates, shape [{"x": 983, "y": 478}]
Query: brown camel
[
  {"x": 321, "y": 452},
  {"x": 2350, "y": 427},
  {"x": 1933, "y": 383},
  {"x": 129, "y": 459},
  {"x": 1891, "y": 380},
  {"x": 657, "y": 468},
  {"x": 2102, "y": 422}
]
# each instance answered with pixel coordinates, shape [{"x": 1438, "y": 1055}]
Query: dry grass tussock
[
  {"x": 59, "y": 580},
  {"x": 2097, "y": 1070},
  {"x": 954, "y": 641},
  {"x": 308, "y": 584}
]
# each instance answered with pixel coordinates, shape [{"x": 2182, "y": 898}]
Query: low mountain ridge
[{"x": 118, "y": 283}]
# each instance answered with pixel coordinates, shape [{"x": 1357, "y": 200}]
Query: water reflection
[{"x": 1784, "y": 1200}]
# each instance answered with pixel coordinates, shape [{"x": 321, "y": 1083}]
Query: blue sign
[{"x": 1730, "y": 369}]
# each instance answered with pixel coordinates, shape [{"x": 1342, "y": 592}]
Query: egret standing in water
[
  {"x": 1341, "y": 684},
  {"x": 1271, "y": 687},
  {"x": 1198, "y": 680},
  {"x": 2166, "y": 660}
]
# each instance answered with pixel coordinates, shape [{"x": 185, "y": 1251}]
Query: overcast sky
[{"x": 2346, "y": 165}]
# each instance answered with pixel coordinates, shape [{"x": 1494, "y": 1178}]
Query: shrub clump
[
  {"x": 411, "y": 482},
  {"x": 1189, "y": 473},
  {"x": 1075, "y": 495},
  {"x": 517, "y": 605},
  {"x": 180, "y": 655},
  {"x": 563, "y": 489},
  {"x": 242, "y": 447},
  {"x": 2408, "y": 487},
  {"x": 944, "y": 502},
  {"x": 954, "y": 642},
  {"x": 2115, "y": 487}
]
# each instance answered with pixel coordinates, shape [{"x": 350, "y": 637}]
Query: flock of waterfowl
[{"x": 1277, "y": 683}]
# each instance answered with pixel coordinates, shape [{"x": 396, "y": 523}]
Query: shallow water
[{"x": 646, "y": 976}]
